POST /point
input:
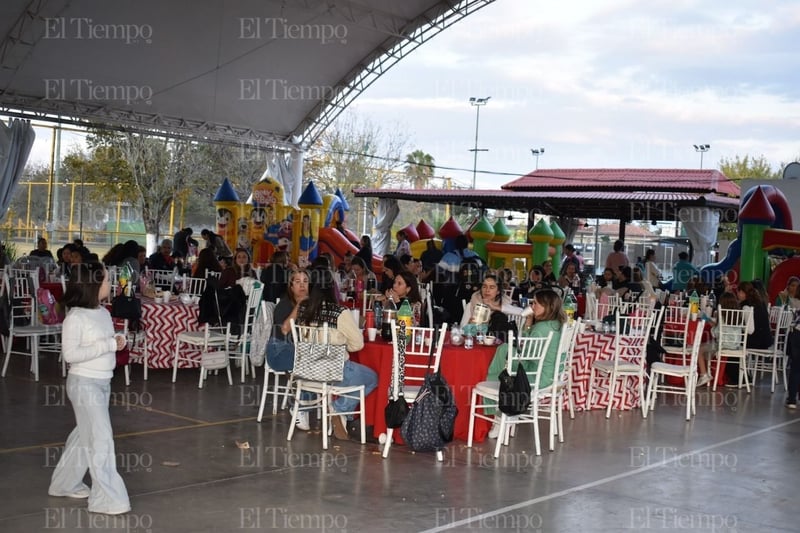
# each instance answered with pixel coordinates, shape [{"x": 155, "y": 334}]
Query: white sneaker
[
  {"x": 301, "y": 421},
  {"x": 495, "y": 431},
  {"x": 703, "y": 380}
]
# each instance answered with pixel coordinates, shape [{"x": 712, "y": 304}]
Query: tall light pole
[
  {"x": 477, "y": 103},
  {"x": 536, "y": 153},
  {"x": 702, "y": 148}
]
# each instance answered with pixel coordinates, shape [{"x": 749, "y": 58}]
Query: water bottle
[
  {"x": 378, "y": 308},
  {"x": 389, "y": 313}
]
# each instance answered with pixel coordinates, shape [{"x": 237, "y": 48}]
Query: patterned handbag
[{"x": 319, "y": 362}]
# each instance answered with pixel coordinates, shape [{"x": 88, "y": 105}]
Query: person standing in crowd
[
  {"x": 180, "y": 242},
  {"x": 431, "y": 256},
  {"x": 793, "y": 354},
  {"x": 41, "y": 249},
  {"x": 89, "y": 344},
  {"x": 682, "y": 272},
  {"x": 570, "y": 257},
  {"x": 618, "y": 258},
  {"x": 217, "y": 244},
  {"x": 403, "y": 247},
  {"x": 365, "y": 252},
  {"x": 651, "y": 270}
]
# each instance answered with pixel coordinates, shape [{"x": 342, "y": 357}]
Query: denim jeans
[
  {"x": 355, "y": 374},
  {"x": 91, "y": 446},
  {"x": 280, "y": 355}
]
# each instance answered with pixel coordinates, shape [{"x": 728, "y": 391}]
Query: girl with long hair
[{"x": 89, "y": 344}]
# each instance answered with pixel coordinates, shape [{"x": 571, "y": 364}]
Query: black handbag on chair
[
  {"x": 515, "y": 392},
  {"x": 129, "y": 307}
]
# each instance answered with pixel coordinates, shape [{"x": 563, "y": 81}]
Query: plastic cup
[
  {"x": 166, "y": 295},
  {"x": 372, "y": 334}
]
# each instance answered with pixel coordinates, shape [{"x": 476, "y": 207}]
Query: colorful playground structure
[
  {"x": 265, "y": 224},
  {"x": 765, "y": 227}
]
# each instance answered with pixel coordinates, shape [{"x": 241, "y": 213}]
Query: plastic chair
[
  {"x": 767, "y": 361},
  {"x": 419, "y": 342},
  {"x": 253, "y": 301},
  {"x": 531, "y": 350},
  {"x": 265, "y": 317},
  {"x": 218, "y": 352},
  {"x": 323, "y": 390},
  {"x": 163, "y": 279},
  {"x": 137, "y": 346},
  {"x": 21, "y": 292},
  {"x": 686, "y": 370},
  {"x": 732, "y": 341},
  {"x": 194, "y": 286},
  {"x": 551, "y": 399},
  {"x": 676, "y": 330},
  {"x": 628, "y": 360}
]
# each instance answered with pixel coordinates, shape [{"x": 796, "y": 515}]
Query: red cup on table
[{"x": 369, "y": 319}]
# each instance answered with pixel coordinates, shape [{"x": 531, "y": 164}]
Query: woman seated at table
[
  {"x": 727, "y": 300},
  {"x": 321, "y": 307},
  {"x": 405, "y": 286},
  {"x": 280, "y": 349},
  {"x": 570, "y": 277},
  {"x": 789, "y": 295},
  {"x": 491, "y": 294},
  {"x": 548, "y": 316},
  {"x": 629, "y": 289},
  {"x": 242, "y": 265},
  {"x": 549, "y": 275},
  {"x": 761, "y": 336},
  {"x": 534, "y": 282},
  {"x": 206, "y": 262},
  {"x": 608, "y": 281},
  {"x": 391, "y": 267}
]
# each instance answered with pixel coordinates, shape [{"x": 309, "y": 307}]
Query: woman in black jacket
[{"x": 761, "y": 337}]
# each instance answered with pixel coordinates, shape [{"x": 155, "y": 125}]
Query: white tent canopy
[{"x": 269, "y": 72}]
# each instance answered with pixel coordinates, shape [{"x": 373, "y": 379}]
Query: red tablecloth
[
  {"x": 162, "y": 322},
  {"x": 462, "y": 369},
  {"x": 590, "y": 347}
]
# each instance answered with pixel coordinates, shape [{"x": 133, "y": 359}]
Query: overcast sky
[
  {"x": 602, "y": 84},
  {"x": 606, "y": 83}
]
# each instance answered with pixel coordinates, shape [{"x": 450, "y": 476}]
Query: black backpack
[{"x": 431, "y": 421}]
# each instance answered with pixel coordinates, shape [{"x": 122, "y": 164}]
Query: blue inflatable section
[{"x": 713, "y": 271}]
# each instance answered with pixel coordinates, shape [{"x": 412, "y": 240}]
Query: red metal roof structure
[
  {"x": 622, "y": 194},
  {"x": 626, "y": 179}
]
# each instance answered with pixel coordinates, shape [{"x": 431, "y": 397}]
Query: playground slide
[
  {"x": 712, "y": 271},
  {"x": 332, "y": 241}
]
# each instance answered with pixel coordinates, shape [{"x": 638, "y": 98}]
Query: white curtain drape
[
  {"x": 701, "y": 224},
  {"x": 388, "y": 211},
  {"x": 16, "y": 141},
  {"x": 288, "y": 171}
]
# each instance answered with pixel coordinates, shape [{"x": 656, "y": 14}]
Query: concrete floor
[{"x": 732, "y": 468}]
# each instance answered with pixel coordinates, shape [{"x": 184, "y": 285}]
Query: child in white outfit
[{"x": 89, "y": 345}]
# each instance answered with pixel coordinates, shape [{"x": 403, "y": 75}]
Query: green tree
[
  {"x": 354, "y": 152},
  {"x": 747, "y": 167},
  {"x": 148, "y": 172},
  {"x": 419, "y": 168}
]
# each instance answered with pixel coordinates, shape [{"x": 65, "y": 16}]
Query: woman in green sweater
[{"x": 547, "y": 316}]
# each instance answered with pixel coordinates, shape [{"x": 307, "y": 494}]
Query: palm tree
[{"x": 419, "y": 168}]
